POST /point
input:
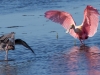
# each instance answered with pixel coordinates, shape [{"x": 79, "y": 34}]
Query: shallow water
[{"x": 57, "y": 53}]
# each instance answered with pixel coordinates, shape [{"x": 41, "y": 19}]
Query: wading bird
[
  {"x": 88, "y": 27},
  {"x": 8, "y": 42}
]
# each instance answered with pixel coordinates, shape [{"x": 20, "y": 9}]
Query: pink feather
[
  {"x": 91, "y": 20},
  {"x": 64, "y": 18}
]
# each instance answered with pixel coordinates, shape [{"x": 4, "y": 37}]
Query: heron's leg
[{"x": 6, "y": 56}]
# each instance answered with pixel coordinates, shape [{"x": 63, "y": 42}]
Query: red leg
[{"x": 81, "y": 42}]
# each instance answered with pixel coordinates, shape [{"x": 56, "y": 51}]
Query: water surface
[{"x": 57, "y": 53}]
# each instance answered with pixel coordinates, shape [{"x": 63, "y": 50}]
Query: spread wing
[
  {"x": 8, "y": 38},
  {"x": 21, "y": 42},
  {"x": 91, "y": 20},
  {"x": 63, "y": 18}
]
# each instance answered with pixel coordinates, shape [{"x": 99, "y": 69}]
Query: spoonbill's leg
[
  {"x": 81, "y": 41},
  {"x": 74, "y": 42},
  {"x": 84, "y": 42},
  {"x": 6, "y": 56}
]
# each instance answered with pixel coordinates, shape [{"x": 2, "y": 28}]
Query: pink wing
[
  {"x": 91, "y": 20},
  {"x": 64, "y": 18}
]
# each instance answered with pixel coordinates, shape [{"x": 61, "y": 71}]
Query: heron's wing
[
  {"x": 63, "y": 18},
  {"x": 8, "y": 37},
  {"x": 21, "y": 42},
  {"x": 91, "y": 20}
]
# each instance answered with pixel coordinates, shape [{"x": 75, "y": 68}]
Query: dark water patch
[
  {"x": 24, "y": 33},
  {"x": 75, "y": 7},
  {"x": 29, "y": 5},
  {"x": 52, "y": 31},
  {"x": 14, "y": 26},
  {"x": 2, "y": 32},
  {"x": 26, "y": 5},
  {"x": 7, "y": 60},
  {"x": 32, "y": 15},
  {"x": 27, "y": 15},
  {"x": 41, "y": 15}
]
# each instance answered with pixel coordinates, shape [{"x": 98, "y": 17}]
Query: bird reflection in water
[
  {"x": 89, "y": 58},
  {"x": 93, "y": 56},
  {"x": 72, "y": 61},
  {"x": 7, "y": 69}
]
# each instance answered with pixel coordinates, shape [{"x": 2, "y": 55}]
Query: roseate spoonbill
[
  {"x": 88, "y": 27},
  {"x": 8, "y": 42}
]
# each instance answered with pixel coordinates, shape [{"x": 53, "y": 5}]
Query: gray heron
[{"x": 8, "y": 42}]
